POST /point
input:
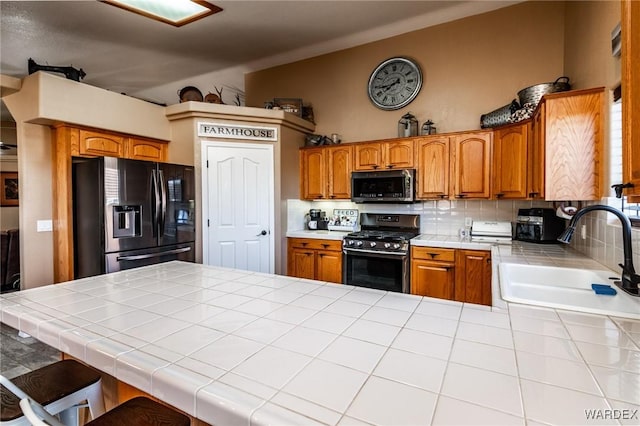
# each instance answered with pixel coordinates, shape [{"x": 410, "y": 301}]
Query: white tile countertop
[
  {"x": 235, "y": 347},
  {"x": 317, "y": 234}
]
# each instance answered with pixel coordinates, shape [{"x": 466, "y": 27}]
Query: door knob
[{"x": 262, "y": 233}]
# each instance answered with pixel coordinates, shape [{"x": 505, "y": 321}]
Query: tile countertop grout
[{"x": 230, "y": 346}]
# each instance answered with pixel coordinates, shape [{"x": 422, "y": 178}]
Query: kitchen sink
[{"x": 565, "y": 288}]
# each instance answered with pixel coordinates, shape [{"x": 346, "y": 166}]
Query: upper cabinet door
[
  {"x": 313, "y": 181},
  {"x": 433, "y": 167},
  {"x": 398, "y": 154},
  {"x": 339, "y": 171},
  {"x": 368, "y": 156},
  {"x": 510, "y": 161},
  {"x": 574, "y": 139},
  {"x": 144, "y": 149},
  {"x": 630, "y": 27},
  {"x": 472, "y": 165},
  {"x": 101, "y": 144}
]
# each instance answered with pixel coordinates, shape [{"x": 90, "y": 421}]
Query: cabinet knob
[
  {"x": 304, "y": 244},
  {"x": 532, "y": 194},
  {"x": 325, "y": 245},
  {"x": 461, "y": 195},
  {"x": 499, "y": 195},
  {"x": 389, "y": 166}
]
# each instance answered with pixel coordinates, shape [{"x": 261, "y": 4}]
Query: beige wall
[
  {"x": 471, "y": 66},
  {"x": 588, "y": 59}
]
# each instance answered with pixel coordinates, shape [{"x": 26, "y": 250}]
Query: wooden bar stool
[
  {"x": 139, "y": 411},
  {"x": 61, "y": 387}
]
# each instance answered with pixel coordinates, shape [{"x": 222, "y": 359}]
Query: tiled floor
[{"x": 19, "y": 355}]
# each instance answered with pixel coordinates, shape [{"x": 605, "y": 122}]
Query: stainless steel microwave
[{"x": 384, "y": 186}]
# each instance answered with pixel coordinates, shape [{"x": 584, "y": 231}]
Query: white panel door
[{"x": 238, "y": 191}]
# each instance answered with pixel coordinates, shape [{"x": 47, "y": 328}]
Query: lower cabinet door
[
  {"x": 302, "y": 264},
  {"x": 329, "y": 266},
  {"x": 473, "y": 278},
  {"x": 432, "y": 279}
]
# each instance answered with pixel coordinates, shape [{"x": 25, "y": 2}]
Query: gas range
[
  {"x": 383, "y": 233},
  {"x": 378, "y": 256}
]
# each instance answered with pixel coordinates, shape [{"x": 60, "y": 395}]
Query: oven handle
[{"x": 377, "y": 253}]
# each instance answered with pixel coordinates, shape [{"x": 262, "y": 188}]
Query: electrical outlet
[
  {"x": 468, "y": 221},
  {"x": 583, "y": 232}
]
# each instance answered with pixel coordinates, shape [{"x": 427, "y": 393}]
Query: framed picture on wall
[{"x": 9, "y": 189}]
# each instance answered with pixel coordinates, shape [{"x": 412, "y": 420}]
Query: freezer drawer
[{"x": 136, "y": 258}]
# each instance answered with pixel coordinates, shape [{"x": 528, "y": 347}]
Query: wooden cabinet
[
  {"x": 568, "y": 128},
  {"x": 453, "y": 274},
  {"x": 473, "y": 277},
  {"x": 433, "y": 272},
  {"x": 325, "y": 173},
  {"x": 433, "y": 157},
  {"x": 455, "y": 166},
  {"x": 631, "y": 97},
  {"x": 94, "y": 143},
  {"x": 392, "y": 154},
  {"x": 510, "y": 154},
  {"x": 145, "y": 149},
  {"x": 471, "y": 169},
  {"x": 315, "y": 259},
  {"x": 100, "y": 144},
  {"x": 313, "y": 181}
]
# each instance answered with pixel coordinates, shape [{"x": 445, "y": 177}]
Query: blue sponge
[{"x": 604, "y": 289}]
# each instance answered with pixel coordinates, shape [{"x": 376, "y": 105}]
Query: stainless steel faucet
[{"x": 630, "y": 280}]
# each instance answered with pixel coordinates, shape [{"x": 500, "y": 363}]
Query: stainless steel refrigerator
[{"x": 131, "y": 213}]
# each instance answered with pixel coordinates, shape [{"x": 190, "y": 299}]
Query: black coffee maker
[{"x": 316, "y": 219}]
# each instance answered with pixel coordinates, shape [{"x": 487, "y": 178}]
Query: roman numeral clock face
[{"x": 395, "y": 83}]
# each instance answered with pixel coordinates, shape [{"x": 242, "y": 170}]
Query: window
[{"x": 630, "y": 209}]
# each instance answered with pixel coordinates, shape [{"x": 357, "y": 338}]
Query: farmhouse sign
[{"x": 237, "y": 131}]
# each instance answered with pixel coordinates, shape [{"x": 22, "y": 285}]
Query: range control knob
[
  {"x": 396, "y": 246},
  {"x": 372, "y": 244},
  {"x": 358, "y": 243},
  {"x": 387, "y": 245}
]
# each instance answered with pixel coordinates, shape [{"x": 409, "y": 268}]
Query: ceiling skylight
[{"x": 174, "y": 12}]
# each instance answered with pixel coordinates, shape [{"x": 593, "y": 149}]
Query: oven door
[{"x": 381, "y": 271}]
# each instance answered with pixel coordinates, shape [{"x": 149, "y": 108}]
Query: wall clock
[{"x": 395, "y": 83}]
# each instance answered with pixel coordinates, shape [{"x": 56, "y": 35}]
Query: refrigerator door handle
[
  {"x": 156, "y": 202},
  {"x": 163, "y": 202},
  {"x": 150, "y": 255}
]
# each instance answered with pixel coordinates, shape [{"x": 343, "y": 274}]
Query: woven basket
[
  {"x": 499, "y": 116},
  {"x": 533, "y": 94}
]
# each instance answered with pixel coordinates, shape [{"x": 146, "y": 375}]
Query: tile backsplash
[
  {"x": 603, "y": 241},
  {"x": 441, "y": 217}
]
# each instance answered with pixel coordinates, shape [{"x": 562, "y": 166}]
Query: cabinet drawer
[
  {"x": 314, "y": 244},
  {"x": 433, "y": 253}
]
